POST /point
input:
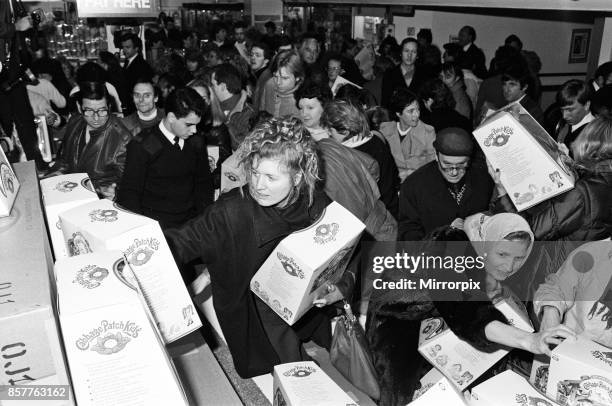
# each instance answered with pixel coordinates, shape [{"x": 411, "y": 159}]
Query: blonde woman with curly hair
[{"x": 239, "y": 231}]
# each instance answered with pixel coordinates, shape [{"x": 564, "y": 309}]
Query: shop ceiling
[{"x": 569, "y": 5}]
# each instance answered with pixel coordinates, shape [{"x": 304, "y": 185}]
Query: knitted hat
[{"x": 454, "y": 141}]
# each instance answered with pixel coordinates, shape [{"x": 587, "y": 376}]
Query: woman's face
[
  {"x": 270, "y": 182},
  {"x": 409, "y": 53},
  {"x": 410, "y": 115},
  {"x": 192, "y": 66},
  {"x": 448, "y": 77},
  {"x": 504, "y": 258},
  {"x": 285, "y": 79},
  {"x": 311, "y": 110}
]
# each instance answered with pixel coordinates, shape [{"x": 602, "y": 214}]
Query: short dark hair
[
  {"x": 360, "y": 97},
  {"x": 440, "y": 94},
  {"x": 218, "y": 27},
  {"x": 134, "y": 38},
  {"x": 426, "y": 34},
  {"x": 92, "y": 91},
  {"x": 453, "y": 49},
  {"x": 271, "y": 25},
  {"x": 471, "y": 31},
  {"x": 228, "y": 74},
  {"x": 314, "y": 90},
  {"x": 453, "y": 68},
  {"x": 146, "y": 81},
  {"x": 91, "y": 72},
  {"x": 401, "y": 99},
  {"x": 240, "y": 24},
  {"x": 183, "y": 101},
  {"x": 346, "y": 118},
  {"x": 513, "y": 38},
  {"x": 574, "y": 90},
  {"x": 605, "y": 70},
  {"x": 518, "y": 72},
  {"x": 109, "y": 59},
  {"x": 265, "y": 48},
  {"x": 43, "y": 65},
  {"x": 406, "y": 41}
]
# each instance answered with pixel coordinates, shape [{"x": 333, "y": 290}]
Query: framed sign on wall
[
  {"x": 579, "y": 46},
  {"x": 117, "y": 8}
]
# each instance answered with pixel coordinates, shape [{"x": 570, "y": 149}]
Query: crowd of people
[{"x": 394, "y": 148}]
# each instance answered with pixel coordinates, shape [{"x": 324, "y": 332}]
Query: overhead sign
[{"x": 117, "y": 8}]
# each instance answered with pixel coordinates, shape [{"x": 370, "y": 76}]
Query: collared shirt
[
  {"x": 149, "y": 117},
  {"x": 129, "y": 61},
  {"x": 169, "y": 135},
  {"x": 466, "y": 47},
  {"x": 585, "y": 120}
]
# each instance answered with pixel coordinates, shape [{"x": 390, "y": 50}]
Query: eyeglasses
[
  {"x": 99, "y": 113},
  {"x": 453, "y": 168}
]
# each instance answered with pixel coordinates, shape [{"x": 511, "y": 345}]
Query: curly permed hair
[{"x": 288, "y": 141}]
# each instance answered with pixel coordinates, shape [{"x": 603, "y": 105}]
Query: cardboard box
[
  {"x": 115, "y": 352},
  {"x": 30, "y": 347},
  {"x": 437, "y": 390},
  {"x": 61, "y": 193},
  {"x": 458, "y": 360},
  {"x": 528, "y": 158},
  {"x": 580, "y": 373},
  {"x": 102, "y": 225},
  {"x": 304, "y": 383},
  {"x": 232, "y": 174},
  {"x": 297, "y": 270},
  {"x": 9, "y": 185},
  {"x": 539, "y": 372},
  {"x": 507, "y": 389}
]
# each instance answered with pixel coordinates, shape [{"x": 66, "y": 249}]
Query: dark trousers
[{"x": 15, "y": 108}]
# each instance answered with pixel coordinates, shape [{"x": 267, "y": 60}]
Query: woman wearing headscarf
[{"x": 503, "y": 241}]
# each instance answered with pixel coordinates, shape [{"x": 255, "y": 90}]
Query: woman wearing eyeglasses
[{"x": 95, "y": 141}]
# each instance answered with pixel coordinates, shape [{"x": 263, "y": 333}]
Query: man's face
[
  {"x": 95, "y": 112},
  {"x": 464, "y": 37},
  {"x": 144, "y": 98},
  {"x": 310, "y": 51},
  {"x": 452, "y": 168},
  {"x": 239, "y": 34},
  {"x": 334, "y": 69},
  {"x": 219, "y": 89},
  {"x": 512, "y": 90},
  {"x": 575, "y": 112},
  {"x": 409, "y": 53},
  {"x": 129, "y": 50},
  {"x": 183, "y": 127},
  {"x": 257, "y": 59}
]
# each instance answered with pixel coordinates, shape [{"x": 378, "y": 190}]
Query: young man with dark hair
[
  {"x": 574, "y": 99},
  {"x": 471, "y": 57},
  {"x": 95, "y": 141},
  {"x": 135, "y": 66},
  {"x": 167, "y": 176},
  {"x": 602, "y": 76},
  {"x": 147, "y": 114},
  {"x": 240, "y": 40},
  {"x": 516, "y": 85},
  {"x": 228, "y": 87}
]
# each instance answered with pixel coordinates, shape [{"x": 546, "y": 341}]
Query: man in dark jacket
[
  {"x": 95, "y": 142},
  {"x": 471, "y": 57},
  {"x": 167, "y": 176},
  {"x": 135, "y": 66},
  {"x": 443, "y": 190}
]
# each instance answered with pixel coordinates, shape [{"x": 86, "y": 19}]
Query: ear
[
  {"x": 297, "y": 179},
  {"x": 171, "y": 117}
]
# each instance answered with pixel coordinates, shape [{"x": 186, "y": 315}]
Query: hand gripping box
[
  {"x": 30, "y": 345},
  {"x": 580, "y": 373},
  {"x": 305, "y": 384},
  {"x": 458, "y": 360},
  {"x": 61, "y": 193},
  {"x": 102, "y": 225},
  {"x": 297, "y": 270},
  {"x": 437, "y": 390},
  {"x": 529, "y": 160},
  {"x": 115, "y": 352},
  {"x": 9, "y": 185},
  {"x": 507, "y": 389}
]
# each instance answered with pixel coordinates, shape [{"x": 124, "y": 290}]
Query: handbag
[{"x": 351, "y": 356}]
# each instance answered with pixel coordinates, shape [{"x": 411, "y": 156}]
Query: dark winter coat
[{"x": 581, "y": 214}]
